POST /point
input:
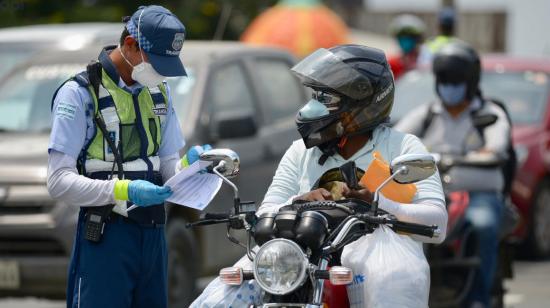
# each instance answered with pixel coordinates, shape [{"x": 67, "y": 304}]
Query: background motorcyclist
[
  {"x": 353, "y": 90},
  {"x": 447, "y": 127},
  {"x": 408, "y": 30},
  {"x": 446, "y": 22}
]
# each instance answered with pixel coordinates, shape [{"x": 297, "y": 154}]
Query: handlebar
[
  {"x": 401, "y": 226},
  {"x": 355, "y": 208}
]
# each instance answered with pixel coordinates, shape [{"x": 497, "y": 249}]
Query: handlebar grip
[{"x": 429, "y": 231}]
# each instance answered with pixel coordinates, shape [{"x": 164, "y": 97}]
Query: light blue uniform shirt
[{"x": 73, "y": 126}]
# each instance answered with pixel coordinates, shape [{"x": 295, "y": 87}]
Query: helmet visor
[{"x": 323, "y": 68}]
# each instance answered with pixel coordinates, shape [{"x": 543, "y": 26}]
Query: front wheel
[
  {"x": 538, "y": 240},
  {"x": 182, "y": 263}
]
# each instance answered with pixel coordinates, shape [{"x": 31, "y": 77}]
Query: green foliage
[{"x": 201, "y": 17}]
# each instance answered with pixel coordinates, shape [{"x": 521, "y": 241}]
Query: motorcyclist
[
  {"x": 450, "y": 130},
  {"x": 408, "y": 30},
  {"x": 353, "y": 90}
]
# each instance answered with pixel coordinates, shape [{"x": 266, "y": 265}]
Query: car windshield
[
  {"x": 26, "y": 95},
  {"x": 12, "y": 55},
  {"x": 525, "y": 93}
]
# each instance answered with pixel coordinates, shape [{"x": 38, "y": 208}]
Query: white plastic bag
[
  {"x": 390, "y": 270},
  {"x": 219, "y": 295}
]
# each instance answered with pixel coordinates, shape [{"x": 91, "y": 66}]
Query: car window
[
  {"x": 230, "y": 91},
  {"x": 181, "y": 90},
  {"x": 26, "y": 96},
  {"x": 412, "y": 90},
  {"x": 279, "y": 88},
  {"x": 525, "y": 94}
]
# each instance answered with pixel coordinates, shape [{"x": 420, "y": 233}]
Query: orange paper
[{"x": 377, "y": 173}]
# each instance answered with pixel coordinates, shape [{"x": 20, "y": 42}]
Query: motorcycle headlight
[{"x": 280, "y": 266}]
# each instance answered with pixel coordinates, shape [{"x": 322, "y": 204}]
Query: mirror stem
[
  {"x": 377, "y": 192},
  {"x": 236, "y": 198}
]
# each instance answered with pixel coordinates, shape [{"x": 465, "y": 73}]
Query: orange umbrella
[{"x": 300, "y": 26}]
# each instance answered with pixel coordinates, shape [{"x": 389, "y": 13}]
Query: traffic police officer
[
  {"x": 446, "y": 19},
  {"x": 115, "y": 138}
]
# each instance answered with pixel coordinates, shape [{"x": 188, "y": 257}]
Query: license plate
[{"x": 9, "y": 275}]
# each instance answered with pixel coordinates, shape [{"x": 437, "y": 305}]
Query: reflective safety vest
[
  {"x": 435, "y": 44},
  {"x": 133, "y": 121}
]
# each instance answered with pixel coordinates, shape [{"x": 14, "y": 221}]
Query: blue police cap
[
  {"x": 447, "y": 16},
  {"x": 161, "y": 37}
]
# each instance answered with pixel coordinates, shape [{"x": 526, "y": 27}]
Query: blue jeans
[
  {"x": 127, "y": 269},
  {"x": 484, "y": 216}
]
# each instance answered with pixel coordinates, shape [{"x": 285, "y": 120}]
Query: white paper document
[{"x": 191, "y": 188}]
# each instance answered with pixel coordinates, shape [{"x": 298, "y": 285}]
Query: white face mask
[{"x": 144, "y": 73}]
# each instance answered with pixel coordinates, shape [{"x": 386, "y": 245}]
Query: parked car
[
  {"x": 18, "y": 44},
  {"x": 523, "y": 86},
  {"x": 235, "y": 96}
]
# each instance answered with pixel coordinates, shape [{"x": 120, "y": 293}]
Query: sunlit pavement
[{"x": 530, "y": 289}]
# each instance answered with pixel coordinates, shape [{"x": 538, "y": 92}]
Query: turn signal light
[
  {"x": 232, "y": 276},
  {"x": 340, "y": 275}
]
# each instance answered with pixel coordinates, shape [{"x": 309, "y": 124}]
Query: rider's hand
[
  {"x": 193, "y": 155},
  {"x": 141, "y": 193},
  {"x": 362, "y": 194},
  {"x": 320, "y": 194}
]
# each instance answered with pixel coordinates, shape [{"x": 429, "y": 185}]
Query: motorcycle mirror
[
  {"x": 411, "y": 168},
  {"x": 230, "y": 159}
]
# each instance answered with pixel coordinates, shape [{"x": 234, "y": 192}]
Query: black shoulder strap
[
  {"x": 93, "y": 71},
  {"x": 427, "y": 121},
  {"x": 510, "y": 166}
]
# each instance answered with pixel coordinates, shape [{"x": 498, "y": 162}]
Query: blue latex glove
[
  {"x": 193, "y": 154},
  {"x": 144, "y": 193}
]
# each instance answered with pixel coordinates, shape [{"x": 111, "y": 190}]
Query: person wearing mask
[
  {"x": 446, "y": 127},
  {"x": 409, "y": 31},
  {"x": 345, "y": 120},
  {"x": 115, "y": 139},
  {"x": 446, "y": 19}
]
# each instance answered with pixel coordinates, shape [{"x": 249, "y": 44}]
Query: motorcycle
[
  {"x": 299, "y": 246},
  {"x": 453, "y": 263}
]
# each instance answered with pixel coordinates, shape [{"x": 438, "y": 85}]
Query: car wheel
[
  {"x": 538, "y": 240},
  {"x": 182, "y": 263}
]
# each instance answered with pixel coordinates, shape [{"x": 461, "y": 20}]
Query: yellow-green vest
[{"x": 134, "y": 124}]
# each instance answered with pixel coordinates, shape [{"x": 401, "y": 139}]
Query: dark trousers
[
  {"x": 484, "y": 216},
  {"x": 127, "y": 269}
]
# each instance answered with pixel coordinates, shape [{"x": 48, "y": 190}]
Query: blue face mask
[
  {"x": 452, "y": 94},
  {"x": 406, "y": 43},
  {"x": 312, "y": 110}
]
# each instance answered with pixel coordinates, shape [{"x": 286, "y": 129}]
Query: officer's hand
[
  {"x": 143, "y": 193},
  {"x": 320, "y": 194},
  {"x": 193, "y": 154}
]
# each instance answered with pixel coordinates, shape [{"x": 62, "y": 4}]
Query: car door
[{"x": 235, "y": 122}]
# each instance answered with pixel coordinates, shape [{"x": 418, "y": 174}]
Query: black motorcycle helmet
[
  {"x": 356, "y": 85},
  {"x": 458, "y": 62}
]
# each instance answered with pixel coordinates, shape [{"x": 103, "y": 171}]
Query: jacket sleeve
[
  {"x": 285, "y": 184},
  {"x": 428, "y": 206},
  {"x": 65, "y": 184}
]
